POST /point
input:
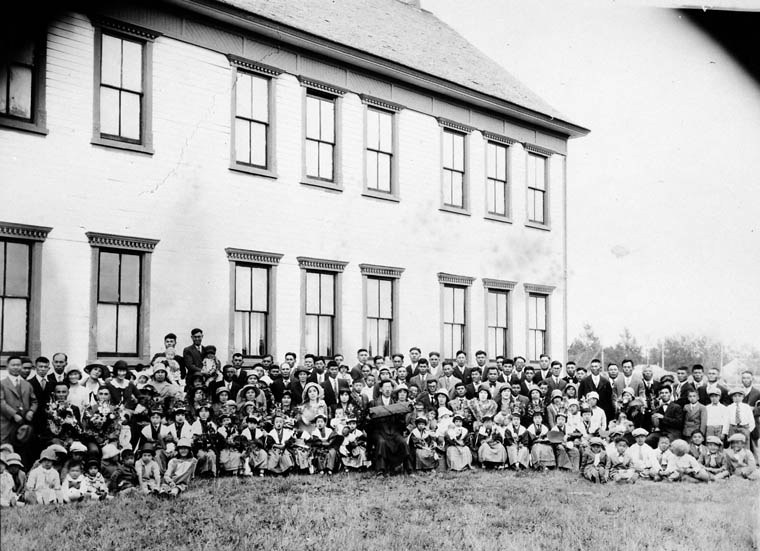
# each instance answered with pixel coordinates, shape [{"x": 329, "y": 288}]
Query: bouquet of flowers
[
  {"x": 102, "y": 422},
  {"x": 60, "y": 414}
]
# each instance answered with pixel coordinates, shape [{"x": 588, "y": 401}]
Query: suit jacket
[
  {"x": 14, "y": 400},
  {"x": 52, "y": 379},
  {"x": 636, "y": 384},
  {"x": 234, "y": 389},
  {"x": 277, "y": 388},
  {"x": 417, "y": 380},
  {"x": 312, "y": 378},
  {"x": 694, "y": 419},
  {"x": 448, "y": 383},
  {"x": 671, "y": 425},
  {"x": 43, "y": 397},
  {"x": 471, "y": 390},
  {"x": 604, "y": 389},
  {"x": 704, "y": 399},
  {"x": 296, "y": 389},
  {"x": 539, "y": 376},
  {"x": 683, "y": 392},
  {"x": 330, "y": 397},
  {"x": 551, "y": 385},
  {"x": 193, "y": 359},
  {"x": 356, "y": 372},
  {"x": 463, "y": 374},
  {"x": 751, "y": 398}
]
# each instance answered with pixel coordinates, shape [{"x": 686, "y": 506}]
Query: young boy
[
  {"x": 279, "y": 460},
  {"x": 662, "y": 457},
  {"x": 8, "y": 497},
  {"x": 180, "y": 470},
  {"x": 109, "y": 461},
  {"x": 16, "y": 470},
  {"x": 643, "y": 460},
  {"x": 683, "y": 466},
  {"x": 621, "y": 465},
  {"x": 598, "y": 417},
  {"x": 148, "y": 471},
  {"x": 97, "y": 489},
  {"x": 740, "y": 460},
  {"x": 125, "y": 479},
  {"x": 716, "y": 415},
  {"x": 74, "y": 485},
  {"x": 44, "y": 483},
  {"x": 697, "y": 444},
  {"x": 595, "y": 465},
  {"x": 714, "y": 459}
]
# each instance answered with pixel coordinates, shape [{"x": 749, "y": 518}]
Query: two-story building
[{"x": 288, "y": 176}]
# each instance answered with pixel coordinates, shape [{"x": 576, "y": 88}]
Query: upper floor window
[
  {"x": 497, "y": 191},
  {"x": 453, "y": 169},
  {"x": 537, "y": 189},
  {"x": 379, "y": 154},
  {"x": 320, "y": 136},
  {"x": 22, "y": 87},
  {"x": 251, "y": 119}
]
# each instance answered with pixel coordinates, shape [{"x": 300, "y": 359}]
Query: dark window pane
[
  {"x": 17, "y": 270},
  {"x": 130, "y": 278},
  {"x": 20, "y": 97},
  {"x": 14, "y": 325},
  {"x": 109, "y": 277}
]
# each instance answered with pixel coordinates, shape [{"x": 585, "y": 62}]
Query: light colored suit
[
  {"x": 12, "y": 401},
  {"x": 635, "y": 383}
]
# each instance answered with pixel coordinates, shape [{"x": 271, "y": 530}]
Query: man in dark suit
[
  {"x": 18, "y": 402},
  {"x": 422, "y": 376},
  {"x": 527, "y": 380},
  {"x": 752, "y": 397},
  {"x": 332, "y": 384},
  {"x": 228, "y": 381},
  {"x": 471, "y": 388},
  {"x": 319, "y": 373},
  {"x": 193, "y": 355},
  {"x": 600, "y": 384},
  {"x": 362, "y": 357},
  {"x": 554, "y": 381},
  {"x": 43, "y": 389},
  {"x": 58, "y": 375},
  {"x": 427, "y": 396},
  {"x": 683, "y": 386},
  {"x": 544, "y": 368},
  {"x": 668, "y": 417},
  {"x": 461, "y": 370},
  {"x": 712, "y": 382}
]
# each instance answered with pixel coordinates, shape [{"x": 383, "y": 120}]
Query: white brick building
[{"x": 131, "y": 151}]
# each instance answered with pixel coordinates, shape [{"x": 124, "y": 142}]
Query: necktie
[
  {"x": 641, "y": 453},
  {"x": 738, "y": 416}
]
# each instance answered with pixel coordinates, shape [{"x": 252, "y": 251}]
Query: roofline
[{"x": 279, "y": 32}]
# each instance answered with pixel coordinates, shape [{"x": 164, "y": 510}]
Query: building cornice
[
  {"x": 112, "y": 241},
  {"x": 322, "y": 86},
  {"x": 497, "y": 138},
  {"x": 309, "y": 263},
  {"x": 253, "y": 66},
  {"x": 455, "y": 279},
  {"x": 121, "y": 26},
  {"x": 381, "y": 103},
  {"x": 539, "y": 150},
  {"x": 381, "y": 271},
  {"x": 254, "y": 257},
  {"x": 24, "y": 231},
  {"x": 454, "y": 125},
  {"x": 543, "y": 289},
  {"x": 501, "y": 284}
]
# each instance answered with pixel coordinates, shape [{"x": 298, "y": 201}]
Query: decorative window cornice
[
  {"x": 455, "y": 279},
  {"x": 381, "y": 103},
  {"x": 128, "y": 28},
  {"x": 308, "y": 263},
  {"x": 542, "y": 289},
  {"x": 24, "y": 231},
  {"x": 322, "y": 86},
  {"x": 499, "y": 284},
  {"x": 254, "y": 66},
  {"x": 382, "y": 271},
  {"x": 497, "y": 138},
  {"x": 538, "y": 149},
  {"x": 121, "y": 242},
  {"x": 453, "y": 125},
  {"x": 254, "y": 257}
]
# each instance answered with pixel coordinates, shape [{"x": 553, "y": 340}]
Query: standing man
[
  {"x": 519, "y": 365},
  {"x": 596, "y": 382},
  {"x": 668, "y": 417},
  {"x": 60, "y": 361},
  {"x": 544, "y": 368},
  {"x": 480, "y": 361},
  {"x": 421, "y": 379},
  {"x": 461, "y": 371},
  {"x": 18, "y": 403},
  {"x": 698, "y": 375},
  {"x": 712, "y": 385},
  {"x": 362, "y": 357},
  {"x": 193, "y": 355},
  {"x": 751, "y": 398},
  {"x": 414, "y": 357},
  {"x": 683, "y": 386},
  {"x": 507, "y": 367},
  {"x": 434, "y": 364},
  {"x": 448, "y": 381},
  {"x": 290, "y": 359},
  {"x": 629, "y": 380},
  {"x": 332, "y": 385},
  {"x": 554, "y": 381},
  {"x": 318, "y": 373}
]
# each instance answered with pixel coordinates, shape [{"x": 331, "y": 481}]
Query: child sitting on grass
[
  {"x": 595, "y": 465},
  {"x": 697, "y": 443},
  {"x": 44, "y": 483},
  {"x": 740, "y": 460},
  {"x": 621, "y": 464},
  {"x": 682, "y": 465},
  {"x": 256, "y": 456},
  {"x": 180, "y": 470},
  {"x": 662, "y": 456},
  {"x": 97, "y": 489},
  {"x": 8, "y": 497},
  {"x": 148, "y": 471},
  {"x": 74, "y": 485},
  {"x": 714, "y": 459},
  {"x": 125, "y": 479}
]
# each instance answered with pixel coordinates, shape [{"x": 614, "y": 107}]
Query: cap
[
  {"x": 738, "y": 437},
  {"x": 737, "y": 390},
  {"x": 596, "y": 441},
  {"x": 47, "y": 453},
  {"x": 77, "y": 447},
  {"x": 592, "y": 394},
  {"x": 714, "y": 440},
  {"x": 185, "y": 443},
  {"x": 639, "y": 432},
  {"x": 110, "y": 451},
  {"x": 715, "y": 391}
]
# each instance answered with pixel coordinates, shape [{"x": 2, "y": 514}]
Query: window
[
  {"x": 118, "y": 303},
  {"x": 537, "y": 323},
  {"x": 497, "y": 337},
  {"x": 251, "y": 119},
  {"x": 537, "y": 189},
  {"x": 453, "y": 169},
  {"x": 379, "y": 152},
  {"x": 497, "y": 192},
  {"x": 120, "y": 299},
  {"x": 15, "y": 290},
  {"x": 320, "y": 313},
  {"x": 123, "y": 61},
  {"x": 454, "y": 319},
  {"x": 251, "y": 309},
  {"x": 379, "y": 316},
  {"x": 22, "y": 88},
  {"x": 320, "y": 136}
]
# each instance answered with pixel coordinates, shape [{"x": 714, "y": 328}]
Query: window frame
[
  {"x": 388, "y": 273},
  {"x": 121, "y": 244},
  {"x": 240, "y": 64},
  {"x": 146, "y": 37},
  {"x": 38, "y": 122},
  {"x": 546, "y": 292},
  {"x": 330, "y": 93},
  {"x": 393, "y": 109},
  {"x": 499, "y": 286},
  {"x": 118, "y": 303},
  {"x": 455, "y": 281},
  {"x": 257, "y": 259},
  {"x": 531, "y": 150},
  {"x": 332, "y": 267},
  {"x": 500, "y": 141},
  {"x": 34, "y": 236}
]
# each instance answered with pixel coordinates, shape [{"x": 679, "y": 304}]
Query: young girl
[
  {"x": 595, "y": 465},
  {"x": 322, "y": 442},
  {"x": 353, "y": 449},
  {"x": 279, "y": 459},
  {"x": 516, "y": 442},
  {"x": 74, "y": 485},
  {"x": 204, "y": 442},
  {"x": 180, "y": 470},
  {"x": 148, "y": 471},
  {"x": 541, "y": 451},
  {"x": 8, "y": 497},
  {"x": 256, "y": 455},
  {"x": 714, "y": 459},
  {"x": 423, "y": 442},
  {"x": 458, "y": 455},
  {"x": 96, "y": 487},
  {"x": 44, "y": 482},
  {"x": 683, "y": 466},
  {"x": 491, "y": 450},
  {"x": 109, "y": 460}
]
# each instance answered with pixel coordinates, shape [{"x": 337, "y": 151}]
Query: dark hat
[
  {"x": 103, "y": 370},
  {"x": 148, "y": 448},
  {"x": 421, "y": 420},
  {"x": 24, "y": 433},
  {"x": 561, "y": 413},
  {"x": 157, "y": 410},
  {"x": 251, "y": 419},
  {"x": 322, "y": 415},
  {"x": 126, "y": 452},
  {"x": 538, "y": 412},
  {"x": 180, "y": 406},
  {"x": 149, "y": 388},
  {"x": 92, "y": 462},
  {"x": 210, "y": 349}
]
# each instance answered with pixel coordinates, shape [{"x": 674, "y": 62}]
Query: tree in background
[
  {"x": 689, "y": 350},
  {"x": 585, "y": 347},
  {"x": 626, "y": 348}
]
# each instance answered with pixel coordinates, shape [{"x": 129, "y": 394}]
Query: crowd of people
[{"x": 101, "y": 431}]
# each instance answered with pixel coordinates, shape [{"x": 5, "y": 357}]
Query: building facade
[{"x": 227, "y": 166}]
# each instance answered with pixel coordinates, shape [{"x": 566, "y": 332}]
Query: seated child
[
  {"x": 323, "y": 441},
  {"x": 148, "y": 471},
  {"x": 683, "y": 466},
  {"x": 714, "y": 459},
  {"x": 516, "y": 443},
  {"x": 621, "y": 465},
  {"x": 180, "y": 470},
  {"x": 423, "y": 441},
  {"x": 488, "y": 442},
  {"x": 279, "y": 458},
  {"x": 662, "y": 456},
  {"x": 8, "y": 497},
  {"x": 458, "y": 454},
  {"x": 16, "y": 470},
  {"x": 353, "y": 449},
  {"x": 256, "y": 455},
  {"x": 594, "y": 462},
  {"x": 541, "y": 451},
  {"x": 643, "y": 460},
  {"x": 740, "y": 460},
  {"x": 109, "y": 460},
  {"x": 697, "y": 444},
  {"x": 44, "y": 483},
  {"x": 74, "y": 484},
  {"x": 124, "y": 479}
]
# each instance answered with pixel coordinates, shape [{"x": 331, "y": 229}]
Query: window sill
[
  {"x": 498, "y": 218},
  {"x": 538, "y": 226},
  {"x": 324, "y": 184},
  {"x": 116, "y": 144},
  {"x": 381, "y": 195},
  {"x": 248, "y": 169},
  {"x": 132, "y": 361},
  {"x": 454, "y": 210},
  {"x": 23, "y": 125}
]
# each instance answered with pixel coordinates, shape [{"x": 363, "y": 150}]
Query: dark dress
[{"x": 386, "y": 434}]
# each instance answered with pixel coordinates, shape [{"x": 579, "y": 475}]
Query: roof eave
[{"x": 280, "y": 32}]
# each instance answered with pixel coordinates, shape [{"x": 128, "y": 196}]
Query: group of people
[{"x": 97, "y": 432}]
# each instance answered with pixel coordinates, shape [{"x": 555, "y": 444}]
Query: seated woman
[
  {"x": 180, "y": 470},
  {"x": 423, "y": 445},
  {"x": 481, "y": 407},
  {"x": 516, "y": 443},
  {"x": 312, "y": 404},
  {"x": 503, "y": 405},
  {"x": 458, "y": 454},
  {"x": 252, "y": 394},
  {"x": 488, "y": 441},
  {"x": 353, "y": 449},
  {"x": 541, "y": 452},
  {"x": 323, "y": 442}
]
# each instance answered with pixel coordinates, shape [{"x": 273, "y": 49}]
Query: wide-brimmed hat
[
  {"x": 148, "y": 447},
  {"x": 629, "y": 390},
  {"x": 185, "y": 443},
  {"x": 103, "y": 370},
  {"x": 77, "y": 447},
  {"x": 14, "y": 459},
  {"x": 592, "y": 394},
  {"x": 246, "y": 388},
  {"x": 109, "y": 451},
  {"x": 309, "y": 385},
  {"x": 556, "y": 393},
  {"x": 421, "y": 419}
]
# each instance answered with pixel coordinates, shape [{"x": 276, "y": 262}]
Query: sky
[{"x": 664, "y": 193}]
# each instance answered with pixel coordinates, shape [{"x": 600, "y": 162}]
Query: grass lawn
[{"x": 481, "y": 510}]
